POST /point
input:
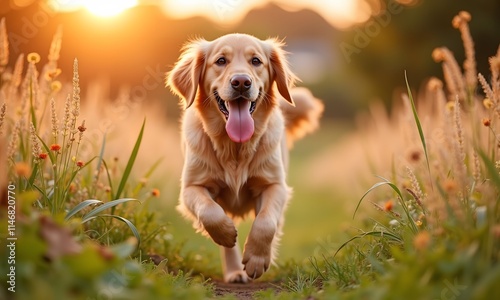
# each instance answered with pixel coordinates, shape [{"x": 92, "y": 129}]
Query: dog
[{"x": 241, "y": 117}]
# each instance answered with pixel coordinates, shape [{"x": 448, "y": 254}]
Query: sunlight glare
[
  {"x": 107, "y": 8},
  {"x": 339, "y": 13}
]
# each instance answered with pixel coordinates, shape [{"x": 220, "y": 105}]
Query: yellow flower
[
  {"x": 33, "y": 57},
  {"x": 23, "y": 169},
  {"x": 487, "y": 103}
]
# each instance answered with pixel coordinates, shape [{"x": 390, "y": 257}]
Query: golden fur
[{"x": 228, "y": 176}]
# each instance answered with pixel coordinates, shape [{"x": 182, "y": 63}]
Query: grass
[{"x": 90, "y": 225}]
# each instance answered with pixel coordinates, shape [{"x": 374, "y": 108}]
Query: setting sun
[{"x": 108, "y": 8}]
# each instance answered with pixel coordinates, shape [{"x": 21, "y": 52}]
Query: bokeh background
[{"x": 350, "y": 53}]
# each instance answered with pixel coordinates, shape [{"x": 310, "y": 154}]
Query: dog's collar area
[{"x": 223, "y": 108}]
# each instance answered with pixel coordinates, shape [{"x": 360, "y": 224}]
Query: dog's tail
[{"x": 304, "y": 117}]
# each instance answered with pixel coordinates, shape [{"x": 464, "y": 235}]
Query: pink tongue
[{"x": 239, "y": 125}]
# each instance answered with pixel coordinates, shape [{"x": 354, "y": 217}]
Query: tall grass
[
  {"x": 82, "y": 220},
  {"x": 438, "y": 222},
  {"x": 45, "y": 145}
]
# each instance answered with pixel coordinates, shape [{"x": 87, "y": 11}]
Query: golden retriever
[{"x": 241, "y": 117}]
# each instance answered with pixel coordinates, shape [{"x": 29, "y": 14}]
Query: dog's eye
[
  {"x": 221, "y": 61},
  {"x": 256, "y": 62}
]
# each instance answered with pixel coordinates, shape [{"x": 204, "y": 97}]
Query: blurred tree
[{"x": 402, "y": 34}]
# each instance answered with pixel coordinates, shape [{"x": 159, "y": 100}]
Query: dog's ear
[
  {"x": 185, "y": 77},
  {"x": 279, "y": 68}
]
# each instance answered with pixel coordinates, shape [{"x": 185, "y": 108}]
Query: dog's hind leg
[{"x": 232, "y": 267}]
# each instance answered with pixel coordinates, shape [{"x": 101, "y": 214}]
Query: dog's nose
[{"x": 241, "y": 82}]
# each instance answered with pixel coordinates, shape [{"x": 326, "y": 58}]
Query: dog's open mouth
[
  {"x": 239, "y": 121},
  {"x": 223, "y": 108}
]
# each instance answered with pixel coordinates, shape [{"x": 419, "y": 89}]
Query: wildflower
[
  {"x": 23, "y": 169},
  {"x": 52, "y": 74},
  {"x": 55, "y": 147},
  {"x": 486, "y": 122},
  {"x": 450, "y": 106},
  {"x": 449, "y": 185},
  {"x": 415, "y": 155},
  {"x": 155, "y": 193},
  {"x": 388, "y": 205},
  {"x": 72, "y": 187},
  {"x": 42, "y": 155},
  {"x": 82, "y": 127},
  {"x": 33, "y": 57},
  {"x": 487, "y": 103},
  {"x": 80, "y": 164},
  {"x": 422, "y": 240},
  {"x": 55, "y": 86}
]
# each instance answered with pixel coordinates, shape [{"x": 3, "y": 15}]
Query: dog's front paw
[
  {"x": 236, "y": 277},
  {"x": 255, "y": 265},
  {"x": 220, "y": 227}
]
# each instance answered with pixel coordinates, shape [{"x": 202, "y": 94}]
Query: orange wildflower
[
  {"x": 388, "y": 205},
  {"x": 422, "y": 240},
  {"x": 55, "y": 147},
  {"x": 155, "y": 193}
]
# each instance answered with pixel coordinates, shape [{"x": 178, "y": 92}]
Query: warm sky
[{"x": 340, "y": 13}]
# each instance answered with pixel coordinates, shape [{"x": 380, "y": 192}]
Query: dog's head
[{"x": 235, "y": 74}]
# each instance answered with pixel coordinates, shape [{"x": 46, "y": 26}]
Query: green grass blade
[
  {"x": 108, "y": 174},
  {"x": 490, "y": 166},
  {"x": 377, "y": 233},
  {"x": 419, "y": 127},
  {"x": 105, "y": 206},
  {"x": 130, "y": 162},
  {"x": 376, "y": 185},
  {"x": 147, "y": 175},
  {"x": 124, "y": 220},
  {"x": 80, "y": 207}
]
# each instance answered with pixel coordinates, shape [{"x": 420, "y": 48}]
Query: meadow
[{"x": 405, "y": 205}]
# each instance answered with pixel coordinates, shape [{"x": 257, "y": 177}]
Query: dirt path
[{"x": 242, "y": 291}]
